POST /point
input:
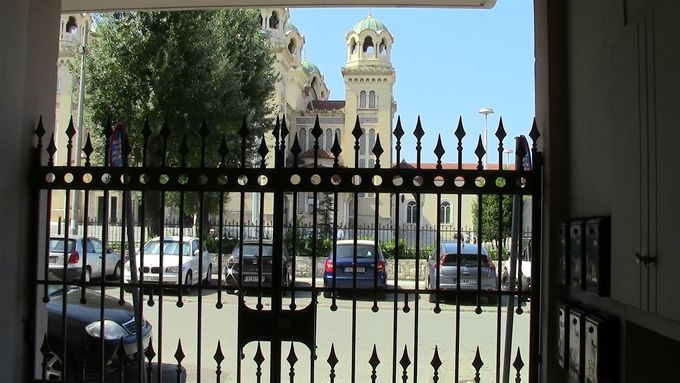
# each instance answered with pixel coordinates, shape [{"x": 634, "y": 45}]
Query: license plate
[
  {"x": 250, "y": 278},
  {"x": 468, "y": 281},
  {"x": 151, "y": 278},
  {"x": 359, "y": 269},
  {"x": 53, "y": 259}
]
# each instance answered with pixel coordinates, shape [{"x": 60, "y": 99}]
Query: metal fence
[{"x": 231, "y": 324}]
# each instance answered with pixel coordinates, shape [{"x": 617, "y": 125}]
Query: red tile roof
[{"x": 328, "y": 104}]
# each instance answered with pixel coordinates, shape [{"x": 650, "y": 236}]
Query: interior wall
[
  {"x": 621, "y": 119},
  {"x": 28, "y": 73}
]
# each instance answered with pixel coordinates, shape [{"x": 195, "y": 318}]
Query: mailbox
[
  {"x": 576, "y": 258},
  {"x": 598, "y": 256},
  {"x": 601, "y": 348},
  {"x": 576, "y": 343},
  {"x": 563, "y": 253},
  {"x": 562, "y": 333}
]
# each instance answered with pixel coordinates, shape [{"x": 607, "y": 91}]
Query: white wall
[{"x": 29, "y": 32}]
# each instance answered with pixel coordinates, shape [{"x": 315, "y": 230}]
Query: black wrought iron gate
[{"x": 306, "y": 186}]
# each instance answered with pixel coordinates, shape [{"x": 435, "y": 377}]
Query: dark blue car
[{"x": 368, "y": 263}]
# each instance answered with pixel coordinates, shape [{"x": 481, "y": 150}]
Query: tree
[
  {"x": 184, "y": 68},
  {"x": 490, "y": 217}
]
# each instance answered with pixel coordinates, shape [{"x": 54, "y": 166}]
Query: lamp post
[
  {"x": 486, "y": 112},
  {"x": 79, "y": 137}
]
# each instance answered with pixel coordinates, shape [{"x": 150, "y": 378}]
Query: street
[{"x": 335, "y": 328}]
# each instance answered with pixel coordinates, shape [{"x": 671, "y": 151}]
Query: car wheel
[
  {"x": 327, "y": 294},
  {"x": 54, "y": 367},
  {"x": 208, "y": 277},
  {"x": 432, "y": 298},
  {"x": 117, "y": 271},
  {"x": 188, "y": 281}
]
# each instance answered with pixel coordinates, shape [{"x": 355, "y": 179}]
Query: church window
[
  {"x": 292, "y": 47},
  {"x": 382, "y": 48},
  {"x": 369, "y": 149},
  {"x": 362, "y": 99},
  {"x": 302, "y": 139},
  {"x": 371, "y": 99},
  {"x": 329, "y": 140},
  {"x": 71, "y": 25},
  {"x": 274, "y": 20},
  {"x": 368, "y": 46},
  {"x": 411, "y": 212},
  {"x": 445, "y": 213}
]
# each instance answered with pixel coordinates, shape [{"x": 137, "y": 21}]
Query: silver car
[
  {"x": 169, "y": 257},
  {"x": 77, "y": 250},
  {"x": 472, "y": 262}
]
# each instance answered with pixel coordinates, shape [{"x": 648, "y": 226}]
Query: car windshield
[
  {"x": 467, "y": 260},
  {"x": 57, "y": 245},
  {"x": 253, "y": 250},
  {"x": 347, "y": 251},
  {"x": 170, "y": 247}
]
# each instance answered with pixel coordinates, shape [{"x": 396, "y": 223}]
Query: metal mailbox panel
[
  {"x": 575, "y": 373},
  {"x": 576, "y": 249},
  {"x": 598, "y": 256}
]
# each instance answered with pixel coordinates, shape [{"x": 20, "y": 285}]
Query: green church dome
[
  {"x": 309, "y": 67},
  {"x": 369, "y": 22},
  {"x": 291, "y": 28}
]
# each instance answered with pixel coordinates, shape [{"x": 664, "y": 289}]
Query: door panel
[
  {"x": 626, "y": 168},
  {"x": 667, "y": 62}
]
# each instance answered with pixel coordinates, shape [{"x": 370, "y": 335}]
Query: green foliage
[
  {"x": 212, "y": 243},
  {"x": 184, "y": 68},
  {"x": 490, "y": 217}
]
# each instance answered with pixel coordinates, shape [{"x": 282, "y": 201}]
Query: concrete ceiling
[{"x": 110, "y": 5}]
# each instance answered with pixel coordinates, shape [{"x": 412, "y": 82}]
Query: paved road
[{"x": 335, "y": 328}]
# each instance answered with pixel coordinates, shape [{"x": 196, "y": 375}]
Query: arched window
[
  {"x": 274, "y": 20},
  {"x": 362, "y": 99},
  {"x": 411, "y": 212},
  {"x": 445, "y": 213},
  {"x": 71, "y": 25},
  {"x": 368, "y": 46},
  {"x": 369, "y": 149},
  {"x": 261, "y": 20},
  {"x": 371, "y": 99},
  {"x": 338, "y": 134},
  {"x": 329, "y": 139},
  {"x": 291, "y": 47},
  {"x": 353, "y": 47},
  {"x": 302, "y": 139}
]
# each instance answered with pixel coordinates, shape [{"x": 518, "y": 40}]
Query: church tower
[{"x": 369, "y": 81}]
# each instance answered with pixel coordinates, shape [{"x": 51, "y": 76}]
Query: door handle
[{"x": 644, "y": 259}]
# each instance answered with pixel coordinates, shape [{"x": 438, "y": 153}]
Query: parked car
[
  {"x": 523, "y": 262},
  {"x": 250, "y": 265},
  {"x": 76, "y": 254},
  {"x": 370, "y": 266},
  {"x": 447, "y": 266},
  {"x": 188, "y": 271},
  {"x": 83, "y": 341}
]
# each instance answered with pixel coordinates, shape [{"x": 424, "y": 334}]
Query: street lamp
[
  {"x": 507, "y": 152},
  {"x": 486, "y": 112}
]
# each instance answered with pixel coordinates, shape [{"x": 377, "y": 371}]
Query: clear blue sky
[{"x": 448, "y": 62}]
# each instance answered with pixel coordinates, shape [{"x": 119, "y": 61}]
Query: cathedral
[{"x": 301, "y": 95}]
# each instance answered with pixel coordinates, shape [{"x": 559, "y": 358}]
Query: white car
[
  {"x": 78, "y": 249},
  {"x": 526, "y": 272},
  {"x": 170, "y": 254}
]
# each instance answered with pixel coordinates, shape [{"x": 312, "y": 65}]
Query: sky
[{"x": 449, "y": 63}]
